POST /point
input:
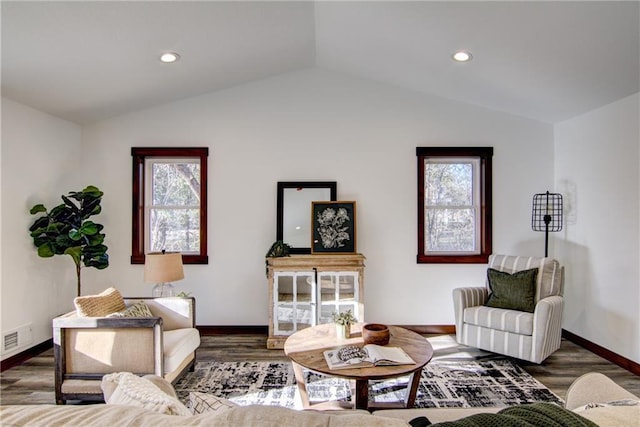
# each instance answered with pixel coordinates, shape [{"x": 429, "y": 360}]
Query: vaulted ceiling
[{"x": 85, "y": 61}]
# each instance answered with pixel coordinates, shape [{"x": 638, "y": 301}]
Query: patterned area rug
[{"x": 444, "y": 383}]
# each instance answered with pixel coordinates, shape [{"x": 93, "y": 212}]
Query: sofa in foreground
[{"x": 593, "y": 396}]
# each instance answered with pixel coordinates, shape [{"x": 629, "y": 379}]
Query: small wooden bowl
[{"x": 375, "y": 333}]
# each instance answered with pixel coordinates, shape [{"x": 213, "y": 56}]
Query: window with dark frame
[
  {"x": 169, "y": 201},
  {"x": 454, "y": 204}
]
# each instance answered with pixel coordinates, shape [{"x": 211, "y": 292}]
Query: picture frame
[
  {"x": 333, "y": 227},
  {"x": 294, "y": 209}
]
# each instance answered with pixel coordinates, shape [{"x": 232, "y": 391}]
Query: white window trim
[
  {"x": 475, "y": 202},
  {"x": 148, "y": 202}
]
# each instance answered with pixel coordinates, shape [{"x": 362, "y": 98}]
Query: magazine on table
[{"x": 353, "y": 356}]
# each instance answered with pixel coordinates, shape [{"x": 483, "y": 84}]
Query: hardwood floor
[{"x": 32, "y": 382}]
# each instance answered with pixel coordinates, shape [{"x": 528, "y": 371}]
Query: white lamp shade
[{"x": 163, "y": 267}]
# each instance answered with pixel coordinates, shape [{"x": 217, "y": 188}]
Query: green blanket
[{"x": 534, "y": 415}]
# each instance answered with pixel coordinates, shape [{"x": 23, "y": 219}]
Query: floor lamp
[{"x": 546, "y": 215}]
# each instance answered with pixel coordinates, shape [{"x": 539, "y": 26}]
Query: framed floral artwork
[{"x": 333, "y": 227}]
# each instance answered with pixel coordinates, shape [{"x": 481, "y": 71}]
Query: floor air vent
[
  {"x": 10, "y": 341},
  {"x": 17, "y": 338}
]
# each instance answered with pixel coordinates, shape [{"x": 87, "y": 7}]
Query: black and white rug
[{"x": 447, "y": 381}]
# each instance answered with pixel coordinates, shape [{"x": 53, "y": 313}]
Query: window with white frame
[
  {"x": 454, "y": 199},
  {"x": 172, "y": 205},
  {"x": 169, "y": 195}
]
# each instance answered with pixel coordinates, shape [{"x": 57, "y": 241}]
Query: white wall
[
  {"x": 596, "y": 164},
  {"x": 318, "y": 125},
  {"x": 40, "y": 159}
]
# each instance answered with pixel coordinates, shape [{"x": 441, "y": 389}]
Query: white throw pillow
[
  {"x": 204, "y": 402},
  {"x": 139, "y": 309},
  {"x": 132, "y": 390}
]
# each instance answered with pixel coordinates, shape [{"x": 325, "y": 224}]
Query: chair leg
[
  {"x": 60, "y": 400},
  {"x": 192, "y": 365}
]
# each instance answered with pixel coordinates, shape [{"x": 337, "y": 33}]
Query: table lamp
[{"x": 162, "y": 268}]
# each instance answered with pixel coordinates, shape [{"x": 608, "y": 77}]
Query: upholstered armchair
[
  {"x": 86, "y": 348},
  {"x": 531, "y": 336}
]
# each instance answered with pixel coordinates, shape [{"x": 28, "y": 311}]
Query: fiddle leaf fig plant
[{"x": 67, "y": 230}]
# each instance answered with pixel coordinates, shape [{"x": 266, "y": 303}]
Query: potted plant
[
  {"x": 343, "y": 321},
  {"x": 67, "y": 230}
]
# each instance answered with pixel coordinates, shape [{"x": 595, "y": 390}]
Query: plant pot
[{"x": 343, "y": 331}]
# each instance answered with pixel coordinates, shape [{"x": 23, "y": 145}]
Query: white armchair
[
  {"x": 86, "y": 348},
  {"x": 523, "y": 335}
]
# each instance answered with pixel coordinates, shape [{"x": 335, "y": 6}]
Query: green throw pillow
[
  {"x": 515, "y": 291},
  {"x": 540, "y": 414}
]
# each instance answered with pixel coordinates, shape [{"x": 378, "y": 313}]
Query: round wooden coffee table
[{"x": 305, "y": 349}]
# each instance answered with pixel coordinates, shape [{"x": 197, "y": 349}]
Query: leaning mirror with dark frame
[{"x": 294, "y": 211}]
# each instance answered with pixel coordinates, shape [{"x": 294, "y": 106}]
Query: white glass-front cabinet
[{"x": 305, "y": 290}]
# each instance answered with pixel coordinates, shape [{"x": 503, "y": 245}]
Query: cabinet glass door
[
  {"x": 294, "y": 302},
  {"x": 338, "y": 292}
]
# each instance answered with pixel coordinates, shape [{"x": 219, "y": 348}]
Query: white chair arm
[
  {"x": 547, "y": 327},
  {"x": 469, "y": 297},
  {"x": 547, "y": 314},
  {"x": 463, "y": 298},
  {"x": 176, "y": 312}
]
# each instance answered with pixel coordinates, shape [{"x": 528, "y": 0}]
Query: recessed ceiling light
[
  {"x": 169, "y": 57},
  {"x": 462, "y": 56}
]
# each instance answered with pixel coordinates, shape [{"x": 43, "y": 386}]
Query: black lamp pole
[{"x": 547, "y": 221}]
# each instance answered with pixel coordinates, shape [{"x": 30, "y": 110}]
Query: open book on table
[{"x": 353, "y": 356}]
